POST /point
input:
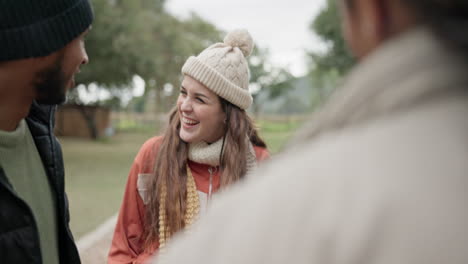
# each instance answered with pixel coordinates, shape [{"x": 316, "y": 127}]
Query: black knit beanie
[{"x": 36, "y": 28}]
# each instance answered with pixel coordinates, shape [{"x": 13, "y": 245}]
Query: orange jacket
[{"x": 127, "y": 243}]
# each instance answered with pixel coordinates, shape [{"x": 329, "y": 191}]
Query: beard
[{"x": 51, "y": 87}]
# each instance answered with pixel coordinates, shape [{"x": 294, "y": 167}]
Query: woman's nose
[{"x": 186, "y": 105}]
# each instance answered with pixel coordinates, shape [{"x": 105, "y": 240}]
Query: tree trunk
[{"x": 89, "y": 114}]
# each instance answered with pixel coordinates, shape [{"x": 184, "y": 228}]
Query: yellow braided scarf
[{"x": 191, "y": 214}]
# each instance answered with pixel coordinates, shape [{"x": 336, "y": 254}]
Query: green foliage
[
  {"x": 278, "y": 126},
  {"x": 328, "y": 67},
  {"x": 138, "y": 37},
  {"x": 116, "y": 44},
  {"x": 175, "y": 41},
  {"x": 276, "y": 133},
  {"x": 269, "y": 80},
  {"x": 327, "y": 26}
]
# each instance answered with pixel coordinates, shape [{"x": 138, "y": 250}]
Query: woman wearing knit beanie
[{"x": 210, "y": 143}]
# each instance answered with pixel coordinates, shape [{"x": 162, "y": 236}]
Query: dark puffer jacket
[{"x": 19, "y": 238}]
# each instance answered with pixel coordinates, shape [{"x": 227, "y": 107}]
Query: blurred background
[{"x": 136, "y": 50}]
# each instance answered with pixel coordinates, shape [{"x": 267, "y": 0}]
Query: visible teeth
[{"x": 188, "y": 121}]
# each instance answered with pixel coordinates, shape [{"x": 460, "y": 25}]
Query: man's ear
[
  {"x": 375, "y": 21},
  {"x": 388, "y": 18}
]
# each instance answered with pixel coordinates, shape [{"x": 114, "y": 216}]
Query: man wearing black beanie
[{"x": 41, "y": 49}]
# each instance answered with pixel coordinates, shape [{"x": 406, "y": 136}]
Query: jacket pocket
[{"x": 142, "y": 186}]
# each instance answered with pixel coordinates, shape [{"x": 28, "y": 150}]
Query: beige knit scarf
[{"x": 209, "y": 154}]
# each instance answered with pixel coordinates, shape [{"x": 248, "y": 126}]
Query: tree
[
  {"x": 328, "y": 27},
  {"x": 138, "y": 37},
  {"x": 267, "y": 79},
  {"x": 329, "y": 66},
  {"x": 175, "y": 40},
  {"x": 119, "y": 45}
]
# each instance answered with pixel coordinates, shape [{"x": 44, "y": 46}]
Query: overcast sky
[{"x": 280, "y": 26}]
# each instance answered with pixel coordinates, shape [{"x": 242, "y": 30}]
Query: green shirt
[{"x": 23, "y": 167}]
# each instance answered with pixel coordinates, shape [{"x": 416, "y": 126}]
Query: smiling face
[{"x": 201, "y": 115}]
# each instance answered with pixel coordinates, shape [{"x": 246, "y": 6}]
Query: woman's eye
[
  {"x": 200, "y": 100},
  {"x": 183, "y": 92}
]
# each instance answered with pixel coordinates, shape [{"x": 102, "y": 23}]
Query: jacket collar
[
  {"x": 411, "y": 68},
  {"x": 42, "y": 113}
]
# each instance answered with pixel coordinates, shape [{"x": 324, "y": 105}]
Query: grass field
[
  {"x": 277, "y": 133},
  {"x": 96, "y": 172}
]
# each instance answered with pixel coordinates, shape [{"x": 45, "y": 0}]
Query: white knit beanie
[{"x": 223, "y": 68}]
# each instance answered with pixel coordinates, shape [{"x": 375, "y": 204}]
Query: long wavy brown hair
[{"x": 171, "y": 162}]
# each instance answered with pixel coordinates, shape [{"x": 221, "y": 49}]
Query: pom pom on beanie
[{"x": 241, "y": 39}]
